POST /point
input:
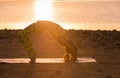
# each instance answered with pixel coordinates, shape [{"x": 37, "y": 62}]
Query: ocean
[{"x": 88, "y": 15}]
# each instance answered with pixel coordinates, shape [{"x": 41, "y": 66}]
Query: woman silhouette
[{"x": 58, "y": 33}]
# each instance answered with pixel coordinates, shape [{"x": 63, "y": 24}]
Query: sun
[{"x": 43, "y": 10}]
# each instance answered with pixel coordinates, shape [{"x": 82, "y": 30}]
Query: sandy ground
[{"x": 107, "y": 65}]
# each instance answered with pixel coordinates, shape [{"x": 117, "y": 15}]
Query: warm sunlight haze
[
  {"x": 43, "y": 10},
  {"x": 70, "y": 14}
]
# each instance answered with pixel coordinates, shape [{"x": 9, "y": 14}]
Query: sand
[{"x": 107, "y": 64}]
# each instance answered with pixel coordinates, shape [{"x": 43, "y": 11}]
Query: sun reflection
[{"x": 43, "y": 10}]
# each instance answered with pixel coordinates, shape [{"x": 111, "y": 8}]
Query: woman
[{"x": 58, "y": 33}]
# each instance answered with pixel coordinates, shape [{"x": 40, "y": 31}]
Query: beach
[{"x": 106, "y": 66}]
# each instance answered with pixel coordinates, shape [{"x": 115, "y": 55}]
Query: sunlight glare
[{"x": 43, "y": 10}]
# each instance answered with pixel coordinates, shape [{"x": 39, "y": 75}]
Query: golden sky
[{"x": 70, "y": 14}]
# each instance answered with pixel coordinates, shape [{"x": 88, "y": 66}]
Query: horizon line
[{"x": 56, "y": 0}]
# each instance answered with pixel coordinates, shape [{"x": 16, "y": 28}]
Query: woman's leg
[{"x": 25, "y": 40}]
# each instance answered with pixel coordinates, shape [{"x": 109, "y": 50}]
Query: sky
[{"x": 71, "y": 14}]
